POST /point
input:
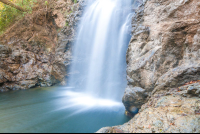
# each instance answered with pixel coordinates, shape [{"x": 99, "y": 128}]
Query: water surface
[{"x": 57, "y": 109}]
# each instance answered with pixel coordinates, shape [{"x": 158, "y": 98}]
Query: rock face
[
  {"x": 36, "y": 62},
  {"x": 21, "y": 69},
  {"x": 173, "y": 112},
  {"x": 67, "y": 37},
  {"x": 164, "y": 50},
  {"x": 163, "y": 55}
]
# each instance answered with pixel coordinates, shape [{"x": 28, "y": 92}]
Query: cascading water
[
  {"x": 96, "y": 84},
  {"x": 98, "y": 72},
  {"x": 99, "y": 63}
]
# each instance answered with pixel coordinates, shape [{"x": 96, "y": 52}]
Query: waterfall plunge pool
[
  {"x": 57, "y": 110},
  {"x": 99, "y": 57}
]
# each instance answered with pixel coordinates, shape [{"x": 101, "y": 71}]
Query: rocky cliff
[
  {"x": 163, "y": 69},
  {"x": 33, "y": 53}
]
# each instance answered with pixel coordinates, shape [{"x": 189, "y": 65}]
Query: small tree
[{"x": 7, "y": 2}]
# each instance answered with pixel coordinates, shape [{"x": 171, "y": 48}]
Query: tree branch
[{"x": 7, "y": 2}]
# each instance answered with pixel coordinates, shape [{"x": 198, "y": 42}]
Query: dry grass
[{"x": 37, "y": 26}]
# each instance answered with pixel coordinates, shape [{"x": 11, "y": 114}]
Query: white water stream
[
  {"x": 99, "y": 55},
  {"x": 96, "y": 84}
]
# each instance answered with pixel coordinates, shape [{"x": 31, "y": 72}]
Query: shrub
[
  {"x": 75, "y": 1},
  {"x": 9, "y": 14}
]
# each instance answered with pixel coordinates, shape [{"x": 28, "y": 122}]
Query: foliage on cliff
[
  {"x": 8, "y": 14},
  {"x": 30, "y": 53},
  {"x": 40, "y": 24}
]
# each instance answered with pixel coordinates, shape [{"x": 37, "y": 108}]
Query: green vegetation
[
  {"x": 46, "y": 3},
  {"x": 75, "y": 1},
  {"x": 9, "y": 14},
  {"x": 67, "y": 24}
]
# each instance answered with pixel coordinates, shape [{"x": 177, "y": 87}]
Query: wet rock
[
  {"x": 134, "y": 97},
  {"x": 66, "y": 39},
  {"x": 28, "y": 83}
]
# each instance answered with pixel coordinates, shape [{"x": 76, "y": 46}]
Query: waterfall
[{"x": 99, "y": 53}]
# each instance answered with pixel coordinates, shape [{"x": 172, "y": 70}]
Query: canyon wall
[
  {"x": 34, "y": 52},
  {"x": 163, "y": 70}
]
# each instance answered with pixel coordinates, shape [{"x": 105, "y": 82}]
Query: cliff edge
[
  {"x": 36, "y": 50},
  {"x": 163, "y": 69}
]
